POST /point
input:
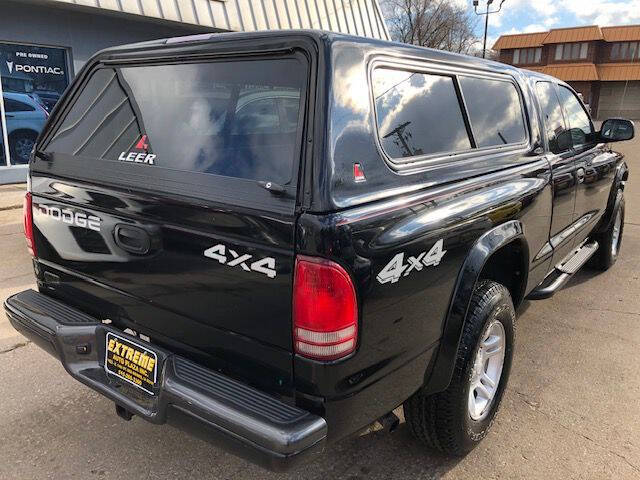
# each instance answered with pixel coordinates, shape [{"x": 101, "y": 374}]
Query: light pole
[{"x": 486, "y": 21}]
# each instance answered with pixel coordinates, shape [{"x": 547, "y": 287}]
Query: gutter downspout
[{"x": 624, "y": 94}]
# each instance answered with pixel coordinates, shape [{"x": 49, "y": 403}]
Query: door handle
[
  {"x": 132, "y": 239},
  {"x": 580, "y": 174}
]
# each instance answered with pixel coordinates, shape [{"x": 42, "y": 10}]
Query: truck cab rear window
[{"x": 237, "y": 119}]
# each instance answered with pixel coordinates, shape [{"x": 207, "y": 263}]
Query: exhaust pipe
[{"x": 389, "y": 422}]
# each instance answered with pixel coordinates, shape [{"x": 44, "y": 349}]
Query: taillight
[
  {"x": 27, "y": 220},
  {"x": 325, "y": 310}
]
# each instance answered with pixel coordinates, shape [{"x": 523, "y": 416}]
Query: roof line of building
[
  {"x": 586, "y": 72},
  {"x": 568, "y": 34}
]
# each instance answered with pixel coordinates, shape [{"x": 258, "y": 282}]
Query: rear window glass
[
  {"x": 418, "y": 113},
  {"x": 494, "y": 110},
  {"x": 235, "y": 118},
  {"x": 16, "y": 106}
]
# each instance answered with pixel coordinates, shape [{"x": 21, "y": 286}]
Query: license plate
[{"x": 131, "y": 362}]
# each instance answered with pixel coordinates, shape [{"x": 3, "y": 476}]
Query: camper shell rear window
[{"x": 235, "y": 118}]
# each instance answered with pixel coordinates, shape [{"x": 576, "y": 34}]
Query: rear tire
[
  {"x": 610, "y": 241},
  {"x": 454, "y": 421}
]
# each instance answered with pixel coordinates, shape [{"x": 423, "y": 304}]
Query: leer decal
[
  {"x": 139, "y": 153},
  {"x": 397, "y": 268},
  {"x": 266, "y": 266}
]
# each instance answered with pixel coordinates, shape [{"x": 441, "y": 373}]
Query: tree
[{"x": 437, "y": 24}]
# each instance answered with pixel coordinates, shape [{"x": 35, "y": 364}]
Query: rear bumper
[{"x": 230, "y": 414}]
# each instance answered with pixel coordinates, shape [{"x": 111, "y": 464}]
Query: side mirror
[{"x": 617, "y": 130}]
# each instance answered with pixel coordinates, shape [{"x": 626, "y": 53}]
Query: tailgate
[{"x": 167, "y": 205}]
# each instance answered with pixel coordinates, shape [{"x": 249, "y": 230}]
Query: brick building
[{"x": 602, "y": 63}]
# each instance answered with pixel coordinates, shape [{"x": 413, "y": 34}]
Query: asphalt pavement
[{"x": 571, "y": 410}]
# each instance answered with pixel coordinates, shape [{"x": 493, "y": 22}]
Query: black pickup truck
[{"x": 275, "y": 239}]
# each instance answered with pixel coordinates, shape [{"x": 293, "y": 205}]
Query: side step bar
[{"x": 563, "y": 272}]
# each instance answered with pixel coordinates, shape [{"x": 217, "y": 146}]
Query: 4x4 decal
[
  {"x": 266, "y": 266},
  {"x": 396, "y": 268}
]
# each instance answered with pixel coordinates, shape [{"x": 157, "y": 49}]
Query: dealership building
[
  {"x": 44, "y": 43},
  {"x": 601, "y": 63}
]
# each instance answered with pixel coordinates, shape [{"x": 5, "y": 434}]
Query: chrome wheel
[
  {"x": 23, "y": 147},
  {"x": 487, "y": 370},
  {"x": 615, "y": 237}
]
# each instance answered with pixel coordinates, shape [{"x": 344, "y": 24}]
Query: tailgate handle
[{"x": 132, "y": 239}]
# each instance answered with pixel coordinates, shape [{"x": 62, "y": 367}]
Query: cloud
[
  {"x": 520, "y": 16},
  {"x": 545, "y": 8},
  {"x": 534, "y": 27},
  {"x": 604, "y": 12}
]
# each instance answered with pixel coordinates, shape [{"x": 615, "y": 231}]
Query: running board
[{"x": 563, "y": 272}]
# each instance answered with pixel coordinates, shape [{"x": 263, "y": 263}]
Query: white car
[{"x": 25, "y": 119}]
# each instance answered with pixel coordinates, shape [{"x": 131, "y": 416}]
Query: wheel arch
[
  {"x": 482, "y": 262},
  {"x": 619, "y": 183},
  {"x": 23, "y": 130}
]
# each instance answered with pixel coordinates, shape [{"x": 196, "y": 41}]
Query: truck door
[
  {"x": 563, "y": 168},
  {"x": 595, "y": 165}
]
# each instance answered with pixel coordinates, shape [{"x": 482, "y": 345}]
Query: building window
[
  {"x": 33, "y": 78},
  {"x": 625, "y": 51},
  {"x": 571, "y": 51},
  {"x": 527, "y": 56},
  {"x": 583, "y": 50}
]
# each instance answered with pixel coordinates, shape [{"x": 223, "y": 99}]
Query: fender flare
[
  {"x": 441, "y": 368},
  {"x": 622, "y": 173}
]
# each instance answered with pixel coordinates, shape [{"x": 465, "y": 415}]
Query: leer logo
[
  {"x": 142, "y": 144},
  {"x": 139, "y": 157}
]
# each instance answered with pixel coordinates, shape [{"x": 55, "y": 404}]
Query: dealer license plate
[{"x": 131, "y": 362}]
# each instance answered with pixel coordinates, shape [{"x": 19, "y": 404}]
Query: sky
[{"x": 520, "y": 16}]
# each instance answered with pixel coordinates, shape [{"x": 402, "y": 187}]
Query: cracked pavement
[{"x": 571, "y": 410}]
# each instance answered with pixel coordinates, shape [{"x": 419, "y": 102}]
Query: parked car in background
[
  {"x": 48, "y": 98},
  {"x": 26, "y": 117}
]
